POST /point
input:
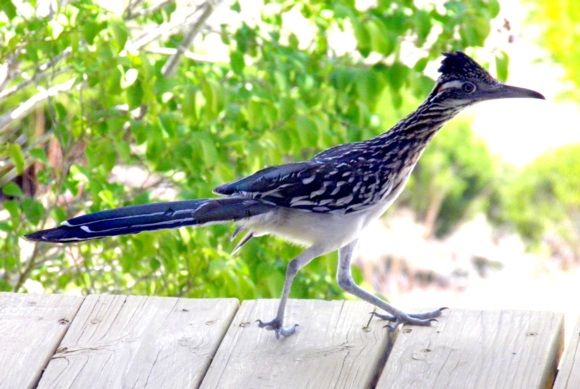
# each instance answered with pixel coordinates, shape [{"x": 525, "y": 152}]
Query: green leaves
[
  {"x": 544, "y": 197},
  {"x": 474, "y": 31},
  {"x": 119, "y": 33},
  {"x": 237, "y": 62},
  {"x": 129, "y": 78},
  {"x": 501, "y": 66},
  {"x": 213, "y": 98},
  {"x": 17, "y": 157},
  {"x": 8, "y": 8},
  {"x": 381, "y": 39},
  {"x": 560, "y": 34},
  {"x": 272, "y": 100},
  {"x": 12, "y": 190},
  {"x": 422, "y": 22},
  {"x": 33, "y": 210}
]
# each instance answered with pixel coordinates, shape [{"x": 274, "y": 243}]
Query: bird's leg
[
  {"x": 277, "y": 324},
  {"x": 395, "y": 316}
]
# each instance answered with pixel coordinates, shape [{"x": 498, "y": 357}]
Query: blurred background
[{"x": 111, "y": 103}]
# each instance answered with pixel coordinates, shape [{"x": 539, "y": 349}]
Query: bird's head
[{"x": 463, "y": 82}]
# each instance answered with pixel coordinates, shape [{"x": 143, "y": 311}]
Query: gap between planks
[
  {"x": 31, "y": 328},
  {"x": 337, "y": 345},
  {"x": 120, "y": 341},
  {"x": 569, "y": 374},
  {"x": 130, "y": 341},
  {"x": 478, "y": 349}
]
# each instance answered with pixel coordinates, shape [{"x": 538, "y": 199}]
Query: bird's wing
[
  {"x": 264, "y": 180},
  {"x": 338, "y": 150},
  {"x": 317, "y": 186}
]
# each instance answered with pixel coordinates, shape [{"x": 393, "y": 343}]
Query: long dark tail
[{"x": 156, "y": 216}]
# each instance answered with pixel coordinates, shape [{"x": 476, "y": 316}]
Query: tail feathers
[{"x": 147, "y": 217}]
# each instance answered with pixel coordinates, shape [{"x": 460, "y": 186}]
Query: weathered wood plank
[
  {"x": 144, "y": 342},
  {"x": 31, "y": 326},
  {"x": 333, "y": 348},
  {"x": 472, "y": 349},
  {"x": 569, "y": 373}
]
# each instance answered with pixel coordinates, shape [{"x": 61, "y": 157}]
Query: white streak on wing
[
  {"x": 272, "y": 193},
  {"x": 308, "y": 180},
  {"x": 302, "y": 202},
  {"x": 318, "y": 192},
  {"x": 298, "y": 198},
  {"x": 344, "y": 200},
  {"x": 86, "y": 229},
  {"x": 338, "y": 185}
]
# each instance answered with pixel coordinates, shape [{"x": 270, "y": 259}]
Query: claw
[
  {"x": 276, "y": 326},
  {"x": 382, "y": 316},
  {"x": 419, "y": 319}
]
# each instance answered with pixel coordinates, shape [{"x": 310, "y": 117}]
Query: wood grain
[
  {"x": 333, "y": 348},
  {"x": 569, "y": 373},
  {"x": 143, "y": 342},
  {"x": 472, "y": 349},
  {"x": 31, "y": 326}
]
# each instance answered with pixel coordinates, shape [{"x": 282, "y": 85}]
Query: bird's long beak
[{"x": 508, "y": 91}]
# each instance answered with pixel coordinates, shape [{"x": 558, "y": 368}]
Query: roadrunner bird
[{"x": 323, "y": 203}]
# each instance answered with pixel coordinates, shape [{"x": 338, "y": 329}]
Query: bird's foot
[
  {"x": 276, "y": 326},
  {"x": 418, "y": 319}
]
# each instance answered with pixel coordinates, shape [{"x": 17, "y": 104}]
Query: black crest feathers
[{"x": 459, "y": 65}]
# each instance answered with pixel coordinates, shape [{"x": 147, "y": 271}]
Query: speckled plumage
[{"x": 323, "y": 203}]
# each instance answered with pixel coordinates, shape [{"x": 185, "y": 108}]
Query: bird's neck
[
  {"x": 408, "y": 138},
  {"x": 425, "y": 121}
]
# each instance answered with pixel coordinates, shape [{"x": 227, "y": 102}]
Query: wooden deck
[{"x": 102, "y": 341}]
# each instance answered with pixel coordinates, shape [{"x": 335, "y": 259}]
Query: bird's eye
[{"x": 468, "y": 87}]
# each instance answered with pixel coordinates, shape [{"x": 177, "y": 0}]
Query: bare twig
[
  {"x": 26, "y": 107},
  {"x": 41, "y": 72},
  {"x": 194, "y": 29},
  {"x": 8, "y": 69},
  {"x": 37, "y": 77},
  {"x": 170, "y": 51},
  {"x": 130, "y": 7},
  {"x": 165, "y": 28},
  {"x": 146, "y": 11}
]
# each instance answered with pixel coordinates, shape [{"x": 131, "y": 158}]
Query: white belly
[{"x": 328, "y": 230}]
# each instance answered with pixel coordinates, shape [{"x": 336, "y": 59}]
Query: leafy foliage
[
  {"x": 559, "y": 19},
  {"x": 544, "y": 196},
  {"x": 280, "y": 97},
  {"x": 455, "y": 171}
]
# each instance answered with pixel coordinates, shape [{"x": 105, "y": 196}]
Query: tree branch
[
  {"x": 128, "y": 13},
  {"x": 170, "y": 51},
  {"x": 24, "y": 109},
  {"x": 146, "y": 11},
  {"x": 41, "y": 72},
  {"x": 165, "y": 28},
  {"x": 9, "y": 66},
  {"x": 194, "y": 29}
]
